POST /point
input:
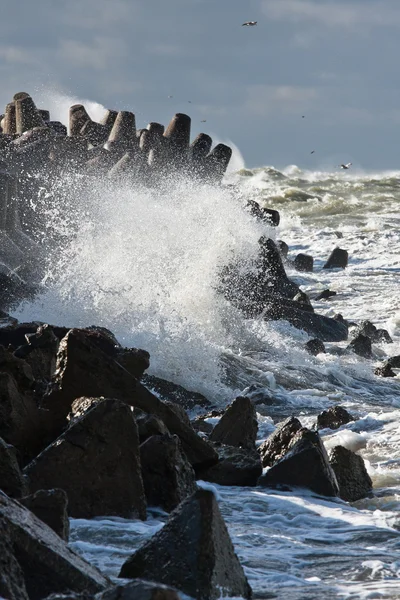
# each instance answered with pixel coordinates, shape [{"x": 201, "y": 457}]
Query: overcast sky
[{"x": 335, "y": 62}]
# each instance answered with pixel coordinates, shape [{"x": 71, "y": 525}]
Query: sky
[{"x": 333, "y": 62}]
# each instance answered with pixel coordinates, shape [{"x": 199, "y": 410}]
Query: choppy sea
[{"x": 145, "y": 264}]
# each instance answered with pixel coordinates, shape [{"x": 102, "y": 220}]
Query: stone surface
[
  {"x": 315, "y": 347},
  {"x": 236, "y": 466},
  {"x": 361, "y": 345},
  {"x": 139, "y": 590},
  {"x": 305, "y": 464},
  {"x": 333, "y": 418},
  {"x": 50, "y": 506},
  {"x": 338, "y": 259},
  {"x": 238, "y": 425},
  {"x": 277, "y": 444},
  {"x": 193, "y": 552},
  {"x": 96, "y": 461},
  {"x": 149, "y": 425},
  {"x": 47, "y": 563},
  {"x": 173, "y": 392},
  {"x": 134, "y": 360},
  {"x": 353, "y": 479},
  {"x": 168, "y": 477},
  {"x": 324, "y": 295},
  {"x": 12, "y": 582},
  {"x": 12, "y": 481},
  {"x": 304, "y": 262}
]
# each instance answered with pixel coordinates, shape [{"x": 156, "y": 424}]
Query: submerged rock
[
  {"x": 353, "y": 479},
  {"x": 333, "y": 418},
  {"x": 236, "y": 466},
  {"x": 238, "y": 425},
  {"x": 315, "y": 347},
  {"x": 304, "y": 263},
  {"x": 361, "y": 345},
  {"x": 338, "y": 259},
  {"x": 324, "y": 295},
  {"x": 193, "y": 552}
]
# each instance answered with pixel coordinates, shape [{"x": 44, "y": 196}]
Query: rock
[
  {"x": 173, "y": 392},
  {"x": 368, "y": 329},
  {"x": 333, "y": 418},
  {"x": 324, "y": 295},
  {"x": 394, "y": 361},
  {"x": 50, "y": 506},
  {"x": 12, "y": 481},
  {"x": 305, "y": 464},
  {"x": 134, "y": 360},
  {"x": 168, "y": 477},
  {"x": 338, "y": 259},
  {"x": 179, "y": 411},
  {"x": 304, "y": 262},
  {"x": 140, "y": 590},
  {"x": 85, "y": 370},
  {"x": 353, "y": 479},
  {"x": 96, "y": 461},
  {"x": 47, "y": 563},
  {"x": 148, "y": 425},
  {"x": 276, "y": 445},
  {"x": 385, "y": 370},
  {"x": 382, "y": 336},
  {"x": 264, "y": 214},
  {"x": 283, "y": 248},
  {"x": 304, "y": 301},
  {"x": 12, "y": 582},
  {"x": 19, "y": 369},
  {"x": 236, "y": 466},
  {"x": 200, "y": 424},
  {"x": 361, "y": 345},
  {"x": 238, "y": 425},
  {"x": 40, "y": 352},
  {"x": 193, "y": 552},
  {"x": 315, "y": 347}
]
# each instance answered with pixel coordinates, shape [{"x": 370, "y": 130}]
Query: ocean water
[{"x": 145, "y": 264}]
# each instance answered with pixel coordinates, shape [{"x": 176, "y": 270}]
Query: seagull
[
  {"x": 190, "y": 102},
  {"x": 345, "y": 166},
  {"x": 170, "y": 96},
  {"x": 312, "y": 152},
  {"x": 249, "y": 24},
  {"x": 203, "y": 121},
  {"x": 303, "y": 116}
]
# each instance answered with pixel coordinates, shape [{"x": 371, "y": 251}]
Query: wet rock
[
  {"x": 40, "y": 352},
  {"x": 140, "y": 590},
  {"x": 238, "y": 425},
  {"x": 324, "y": 295},
  {"x": 368, "y": 329},
  {"x": 305, "y": 464},
  {"x": 134, "y": 360},
  {"x": 47, "y": 563},
  {"x": 385, "y": 370},
  {"x": 338, "y": 259},
  {"x": 149, "y": 425},
  {"x": 315, "y": 347},
  {"x": 382, "y": 336},
  {"x": 236, "y": 466},
  {"x": 12, "y": 481},
  {"x": 361, "y": 345},
  {"x": 394, "y": 361},
  {"x": 168, "y": 477},
  {"x": 263, "y": 214},
  {"x": 12, "y": 582},
  {"x": 193, "y": 552},
  {"x": 85, "y": 370},
  {"x": 353, "y": 479},
  {"x": 96, "y": 461},
  {"x": 15, "y": 336},
  {"x": 200, "y": 424},
  {"x": 277, "y": 444},
  {"x": 283, "y": 248},
  {"x": 173, "y": 392},
  {"x": 19, "y": 369},
  {"x": 179, "y": 411},
  {"x": 304, "y": 301},
  {"x": 50, "y": 506},
  {"x": 304, "y": 262},
  {"x": 333, "y": 418}
]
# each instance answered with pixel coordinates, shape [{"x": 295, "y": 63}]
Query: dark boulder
[
  {"x": 333, "y": 418},
  {"x": 179, "y": 411},
  {"x": 263, "y": 214},
  {"x": 140, "y": 590},
  {"x": 305, "y": 464},
  {"x": 304, "y": 262},
  {"x": 50, "y": 506},
  {"x": 283, "y": 248},
  {"x": 96, "y": 461},
  {"x": 40, "y": 352},
  {"x": 12, "y": 481},
  {"x": 315, "y": 347},
  {"x": 193, "y": 552},
  {"x": 324, "y": 295},
  {"x": 277, "y": 444},
  {"x": 236, "y": 466},
  {"x": 353, "y": 479},
  {"x": 338, "y": 259},
  {"x": 304, "y": 301},
  {"x": 382, "y": 336},
  {"x": 149, "y": 425},
  {"x": 12, "y": 581},
  {"x": 85, "y": 370},
  {"x": 173, "y": 392},
  {"x": 384, "y": 370},
  {"x": 394, "y": 361},
  {"x": 134, "y": 360},
  {"x": 168, "y": 477},
  {"x": 361, "y": 345},
  {"x": 238, "y": 425},
  {"x": 47, "y": 563},
  {"x": 368, "y": 329}
]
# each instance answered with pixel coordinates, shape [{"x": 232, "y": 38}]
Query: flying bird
[
  {"x": 190, "y": 102},
  {"x": 345, "y": 166},
  {"x": 312, "y": 152},
  {"x": 249, "y": 24},
  {"x": 303, "y": 117},
  {"x": 203, "y": 121}
]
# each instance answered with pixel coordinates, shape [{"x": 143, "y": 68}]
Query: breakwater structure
[{"x": 35, "y": 151}]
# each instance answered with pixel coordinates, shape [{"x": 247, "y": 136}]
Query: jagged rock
[
  {"x": 179, "y": 411},
  {"x": 50, "y": 506},
  {"x": 384, "y": 370},
  {"x": 394, "y": 361},
  {"x": 353, "y": 479},
  {"x": 40, "y": 352},
  {"x": 305, "y": 464},
  {"x": 199, "y": 424},
  {"x": 12, "y": 481},
  {"x": 47, "y": 563},
  {"x": 263, "y": 214},
  {"x": 173, "y": 392},
  {"x": 304, "y": 262},
  {"x": 338, "y": 259},
  {"x": 238, "y": 425},
  {"x": 193, "y": 552},
  {"x": 15, "y": 336},
  {"x": 324, "y": 295},
  {"x": 12, "y": 582},
  {"x": 236, "y": 466},
  {"x": 85, "y": 370},
  {"x": 382, "y": 336},
  {"x": 134, "y": 590},
  {"x": 19, "y": 369},
  {"x": 96, "y": 461},
  {"x": 361, "y": 345},
  {"x": 168, "y": 477},
  {"x": 134, "y": 360},
  {"x": 283, "y": 248},
  {"x": 277, "y": 444},
  {"x": 315, "y": 347},
  {"x": 333, "y": 418},
  {"x": 304, "y": 301},
  {"x": 149, "y": 425},
  {"x": 368, "y": 329}
]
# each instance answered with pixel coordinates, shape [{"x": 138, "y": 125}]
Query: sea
[{"x": 145, "y": 263}]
